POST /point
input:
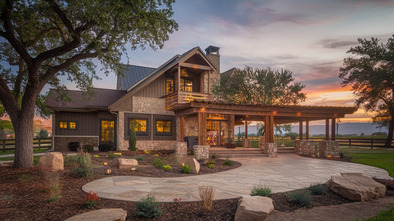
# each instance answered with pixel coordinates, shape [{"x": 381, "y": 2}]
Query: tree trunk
[
  {"x": 390, "y": 134},
  {"x": 24, "y": 139}
]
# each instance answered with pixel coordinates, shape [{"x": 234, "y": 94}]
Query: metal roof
[{"x": 132, "y": 75}]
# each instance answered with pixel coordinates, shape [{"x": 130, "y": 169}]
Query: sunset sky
[{"x": 310, "y": 38}]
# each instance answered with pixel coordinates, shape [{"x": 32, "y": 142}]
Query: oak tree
[{"x": 44, "y": 41}]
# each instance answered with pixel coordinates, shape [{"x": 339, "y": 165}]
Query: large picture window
[
  {"x": 163, "y": 127},
  {"x": 186, "y": 85},
  {"x": 139, "y": 125}
]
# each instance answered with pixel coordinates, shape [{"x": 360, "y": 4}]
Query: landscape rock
[
  {"x": 52, "y": 161},
  {"x": 125, "y": 164},
  {"x": 192, "y": 162},
  {"x": 254, "y": 208},
  {"x": 101, "y": 215},
  {"x": 355, "y": 186}
]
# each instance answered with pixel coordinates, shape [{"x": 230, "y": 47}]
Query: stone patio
[{"x": 284, "y": 173}]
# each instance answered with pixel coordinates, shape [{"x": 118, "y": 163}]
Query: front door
[
  {"x": 107, "y": 131},
  {"x": 213, "y": 130}
]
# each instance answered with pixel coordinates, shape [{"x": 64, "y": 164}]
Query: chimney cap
[{"x": 212, "y": 50}]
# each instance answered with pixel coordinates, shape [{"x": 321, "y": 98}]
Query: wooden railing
[
  {"x": 9, "y": 144},
  {"x": 357, "y": 142},
  {"x": 183, "y": 97}
]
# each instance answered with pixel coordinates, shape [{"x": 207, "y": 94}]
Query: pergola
[{"x": 269, "y": 114}]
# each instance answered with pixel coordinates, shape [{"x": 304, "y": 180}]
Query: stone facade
[
  {"x": 201, "y": 152},
  {"x": 60, "y": 143},
  {"x": 329, "y": 148},
  {"x": 191, "y": 125},
  {"x": 150, "y": 105},
  {"x": 120, "y": 133},
  {"x": 271, "y": 149},
  {"x": 181, "y": 149},
  {"x": 156, "y": 145},
  {"x": 306, "y": 148}
]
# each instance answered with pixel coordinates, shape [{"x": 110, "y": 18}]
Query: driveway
[{"x": 284, "y": 173}]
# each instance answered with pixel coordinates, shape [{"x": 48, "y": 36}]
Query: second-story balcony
[{"x": 183, "y": 97}]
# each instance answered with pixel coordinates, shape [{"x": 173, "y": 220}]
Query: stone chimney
[{"x": 213, "y": 55}]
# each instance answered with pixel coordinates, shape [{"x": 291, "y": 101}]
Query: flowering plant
[{"x": 91, "y": 199}]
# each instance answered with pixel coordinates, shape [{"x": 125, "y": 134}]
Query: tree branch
[{"x": 7, "y": 99}]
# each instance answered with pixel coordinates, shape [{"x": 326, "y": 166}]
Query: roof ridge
[{"x": 139, "y": 66}]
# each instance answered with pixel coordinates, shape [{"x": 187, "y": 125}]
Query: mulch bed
[{"x": 24, "y": 195}]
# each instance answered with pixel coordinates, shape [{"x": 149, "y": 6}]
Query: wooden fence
[{"x": 9, "y": 144}]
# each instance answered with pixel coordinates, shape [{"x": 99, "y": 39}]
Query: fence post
[
  {"x": 3, "y": 145},
  {"x": 350, "y": 143},
  {"x": 39, "y": 143},
  {"x": 371, "y": 144}
]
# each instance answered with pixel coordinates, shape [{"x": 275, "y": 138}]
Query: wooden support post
[
  {"x": 327, "y": 129},
  {"x": 307, "y": 129},
  {"x": 300, "y": 130},
  {"x": 209, "y": 77},
  {"x": 39, "y": 144},
  {"x": 271, "y": 128},
  {"x": 179, "y": 79},
  {"x": 202, "y": 128},
  {"x": 182, "y": 128},
  {"x": 333, "y": 129},
  {"x": 3, "y": 145},
  {"x": 266, "y": 123},
  {"x": 246, "y": 129}
]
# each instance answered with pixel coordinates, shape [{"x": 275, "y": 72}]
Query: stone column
[
  {"x": 201, "y": 152},
  {"x": 329, "y": 148},
  {"x": 120, "y": 132},
  {"x": 231, "y": 122}
]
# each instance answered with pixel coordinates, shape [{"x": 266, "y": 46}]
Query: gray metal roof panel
[{"x": 132, "y": 75}]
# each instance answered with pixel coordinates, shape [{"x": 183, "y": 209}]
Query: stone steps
[{"x": 244, "y": 152}]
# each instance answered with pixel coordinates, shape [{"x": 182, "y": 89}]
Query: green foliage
[
  {"x": 227, "y": 162},
  {"x": 91, "y": 199},
  {"x": 88, "y": 148},
  {"x": 213, "y": 156},
  {"x": 132, "y": 139},
  {"x": 55, "y": 186},
  {"x": 106, "y": 146},
  {"x": 211, "y": 162},
  {"x": 302, "y": 198},
  {"x": 73, "y": 146},
  {"x": 384, "y": 215},
  {"x": 43, "y": 134},
  {"x": 140, "y": 158},
  {"x": 318, "y": 189},
  {"x": 158, "y": 163},
  {"x": 211, "y": 166},
  {"x": 260, "y": 191},
  {"x": 369, "y": 73},
  {"x": 6, "y": 124},
  {"x": 186, "y": 168},
  {"x": 83, "y": 165},
  {"x": 148, "y": 207},
  {"x": 111, "y": 155},
  {"x": 26, "y": 177},
  {"x": 259, "y": 86},
  {"x": 167, "y": 167}
]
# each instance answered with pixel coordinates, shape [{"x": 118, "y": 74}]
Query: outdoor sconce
[
  {"x": 299, "y": 114},
  {"x": 108, "y": 171},
  {"x": 274, "y": 112}
]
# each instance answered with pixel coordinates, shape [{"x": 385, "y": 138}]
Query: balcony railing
[{"x": 183, "y": 97}]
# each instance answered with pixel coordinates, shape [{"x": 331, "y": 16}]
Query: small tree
[
  {"x": 132, "y": 139},
  {"x": 43, "y": 134}
]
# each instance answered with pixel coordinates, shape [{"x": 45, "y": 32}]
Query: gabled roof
[
  {"x": 229, "y": 71},
  {"x": 101, "y": 99},
  {"x": 131, "y": 75}
]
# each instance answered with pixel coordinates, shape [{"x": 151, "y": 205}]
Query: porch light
[
  {"x": 299, "y": 114},
  {"x": 195, "y": 66},
  {"x": 202, "y": 109},
  {"x": 274, "y": 112},
  {"x": 335, "y": 115}
]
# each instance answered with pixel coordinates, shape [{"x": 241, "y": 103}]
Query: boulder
[
  {"x": 355, "y": 186},
  {"x": 253, "y": 208},
  {"x": 52, "y": 161},
  {"x": 192, "y": 162},
  {"x": 125, "y": 164},
  {"x": 101, "y": 215}
]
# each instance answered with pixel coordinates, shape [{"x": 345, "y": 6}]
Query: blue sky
[{"x": 308, "y": 37}]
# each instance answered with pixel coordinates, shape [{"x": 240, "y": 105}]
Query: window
[
  {"x": 163, "y": 127},
  {"x": 186, "y": 85},
  {"x": 63, "y": 124},
  {"x": 169, "y": 85},
  {"x": 72, "y": 125},
  {"x": 107, "y": 130},
  {"x": 139, "y": 125}
]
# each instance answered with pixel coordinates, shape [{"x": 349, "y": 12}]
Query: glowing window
[
  {"x": 163, "y": 126},
  {"x": 72, "y": 125},
  {"x": 186, "y": 85},
  {"x": 139, "y": 125},
  {"x": 169, "y": 86},
  {"x": 63, "y": 125}
]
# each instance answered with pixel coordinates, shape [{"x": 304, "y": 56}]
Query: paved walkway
[{"x": 283, "y": 173}]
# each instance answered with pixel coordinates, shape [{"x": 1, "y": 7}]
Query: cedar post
[
  {"x": 300, "y": 130},
  {"x": 333, "y": 129},
  {"x": 182, "y": 129},
  {"x": 246, "y": 129},
  {"x": 327, "y": 129},
  {"x": 202, "y": 128},
  {"x": 271, "y": 128},
  {"x": 307, "y": 129}
]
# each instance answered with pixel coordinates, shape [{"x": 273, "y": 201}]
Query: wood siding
[
  {"x": 87, "y": 123},
  {"x": 155, "y": 89}
]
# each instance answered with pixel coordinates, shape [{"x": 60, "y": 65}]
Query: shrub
[
  {"x": 146, "y": 152},
  {"x": 132, "y": 139},
  {"x": 227, "y": 163},
  {"x": 148, "y": 207},
  {"x": 318, "y": 189},
  {"x": 106, "y": 146},
  {"x": 84, "y": 165},
  {"x": 73, "y": 146},
  {"x": 260, "y": 191},
  {"x": 55, "y": 186},
  {"x": 186, "y": 168},
  {"x": 140, "y": 158},
  {"x": 210, "y": 166},
  {"x": 206, "y": 194},
  {"x": 88, "y": 148},
  {"x": 213, "y": 156},
  {"x": 302, "y": 198},
  {"x": 111, "y": 155},
  {"x": 167, "y": 167},
  {"x": 210, "y": 162},
  {"x": 158, "y": 163},
  {"x": 91, "y": 199}
]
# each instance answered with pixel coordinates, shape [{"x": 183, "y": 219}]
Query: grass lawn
[
  {"x": 377, "y": 157},
  {"x": 35, "y": 150},
  {"x": 383, "y": 215},
  {"x": 35, "y": 159}
]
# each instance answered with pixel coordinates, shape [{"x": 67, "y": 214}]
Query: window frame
[
  {"x": 173, "y": 85},
  {"x": 184, "y": 85},
  {"x": 157, "y": 133},
  {"x": 69, "y": 125},
  {"x": 137, "y": 133},
  {"x": 60, "y": 125}
]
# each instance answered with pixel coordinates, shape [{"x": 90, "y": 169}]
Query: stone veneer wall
[
  {"x": 150, "y": 105},
  {"x": 306, "y": 148},
  {"x": 191, "y": 125},
  {"x": 120, "y": 132},
  {"x": 329, "y": 148},
  {"x": 156, "y": 145},
  {"x": 60, "y": 144},
  {"x": 201, "y": 152}
]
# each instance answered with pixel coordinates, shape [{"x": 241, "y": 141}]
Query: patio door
[
  {"x": 107, "y": 131},
  {"x": 213, "y": 130}
]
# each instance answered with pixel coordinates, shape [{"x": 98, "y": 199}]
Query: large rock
[
  {"x": 101, "y": 215},
  {"x": 125, "y": 164},
  {"x": 253, "y": 208},
  {"x": 355, "y": 186},
  {"x": 192, "y": 162},
  {"x": 52, "y": 161}
]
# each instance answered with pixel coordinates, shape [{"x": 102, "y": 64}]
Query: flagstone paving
[{"x": 284, "y": 173}]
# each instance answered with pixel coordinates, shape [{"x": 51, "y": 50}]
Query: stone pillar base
[
  {"x": 201, "y": 152},
  {"x": 306, "y": 148},
  {"x": 181, "y": 149},
  {"x": 329, "y": 148},
  {"x": 271, "y": 149},
  {"x": 246, "y": 142}
]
